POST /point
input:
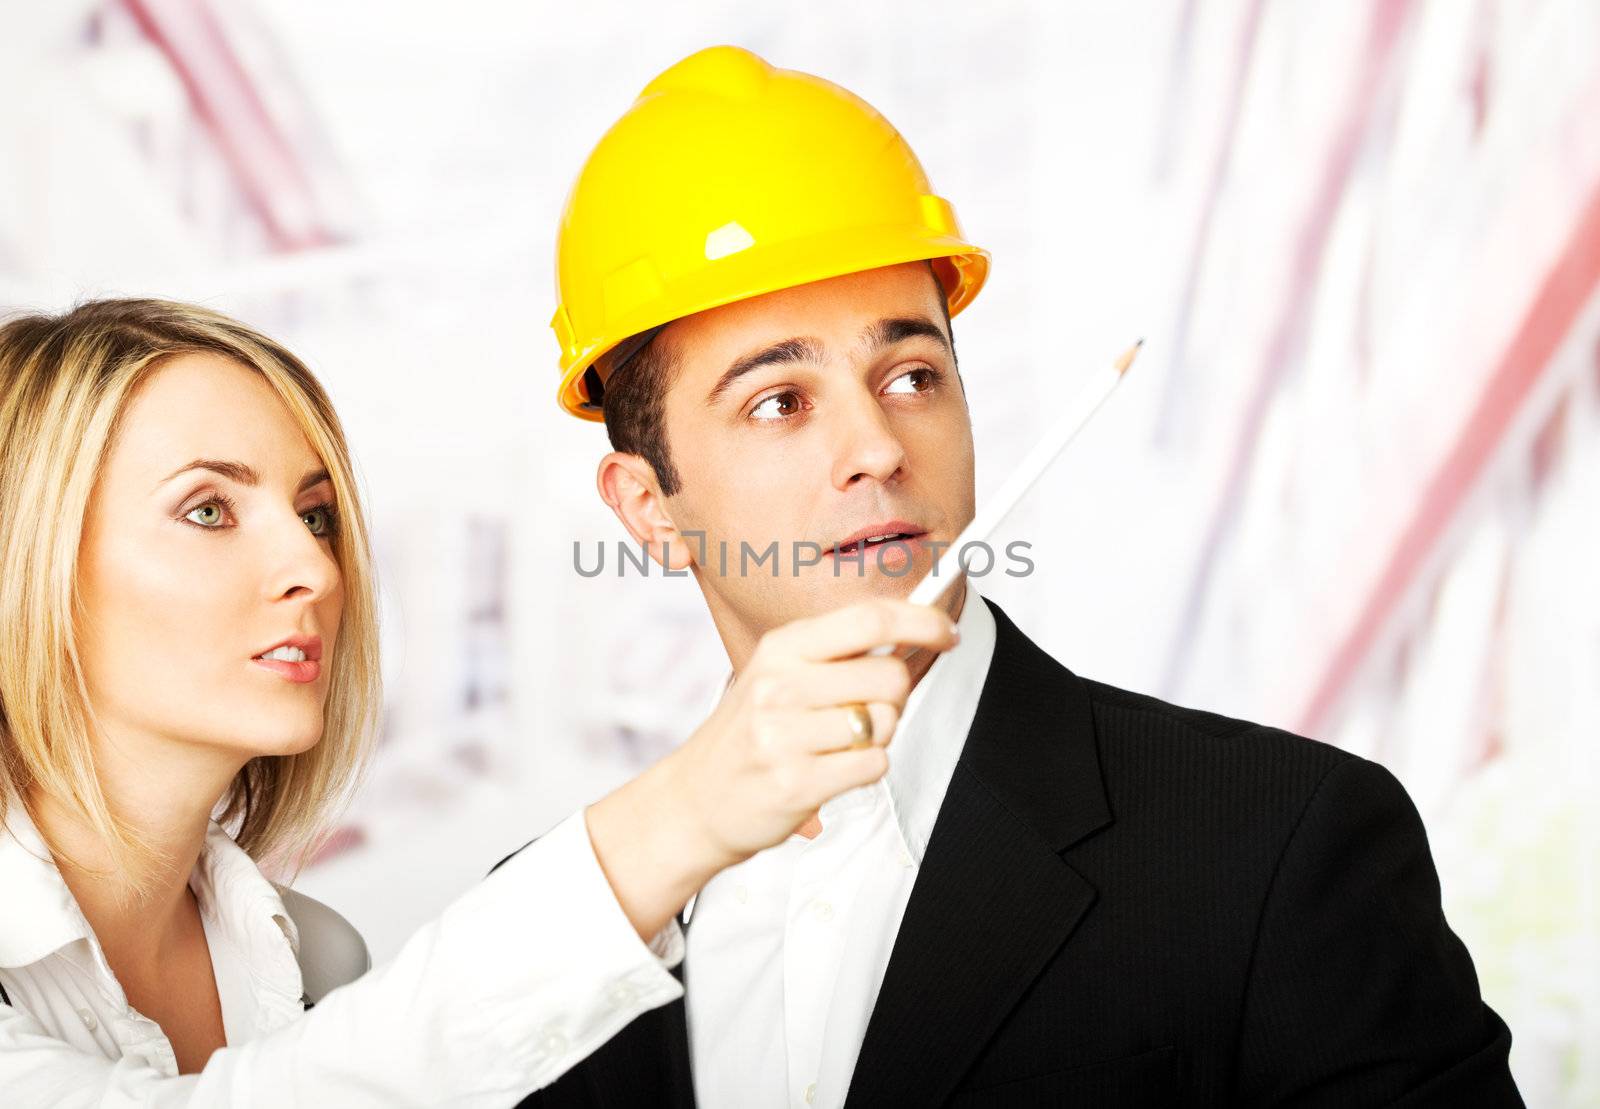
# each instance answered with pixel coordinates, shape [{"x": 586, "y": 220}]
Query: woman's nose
[{"x": 306, "y": 567}]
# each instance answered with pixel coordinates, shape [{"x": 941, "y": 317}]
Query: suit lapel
[{"x": 994, "y": 901}]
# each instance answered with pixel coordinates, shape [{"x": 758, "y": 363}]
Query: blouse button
[
  {"x": 88, "y": 1019},
  {"x": 622, "y": 994}
]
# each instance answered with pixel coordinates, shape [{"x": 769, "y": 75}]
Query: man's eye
[
  {"x": 913, "y": 381},
  {"x": 776, "y": 407}
]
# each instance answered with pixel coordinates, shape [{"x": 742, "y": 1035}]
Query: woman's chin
[
  {"x": 289, "y": 741},
  {"x": 304, "y": 745},
  {"x": 279, "y": 727},
  {"x": 299, "y": 744}
]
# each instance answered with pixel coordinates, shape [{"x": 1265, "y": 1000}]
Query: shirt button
[
  {"x": 823, "y": 909},
  {"x": 622, "y": 993},
  {"x": 905, "y": 858},
  {"x": 741, "y": 893},
  {"x": 88, "y": 1019},
  {"x": 811, "y": 1092},
  {"x": 554, "y": 1043}
]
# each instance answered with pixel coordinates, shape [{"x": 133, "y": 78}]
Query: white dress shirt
[
  {"x": 787, "y": 950},
  {"x": 519, "y": 979}
]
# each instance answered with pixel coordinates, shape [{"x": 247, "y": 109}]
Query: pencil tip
[{"x": 1126, "y": 360}]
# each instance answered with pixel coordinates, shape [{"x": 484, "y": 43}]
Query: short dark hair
[
  {"x": 633, "y": 398},
  {"x": 634, "y": 402}
]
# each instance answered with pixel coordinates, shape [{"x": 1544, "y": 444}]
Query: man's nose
[{"x": 865, "y": 443}]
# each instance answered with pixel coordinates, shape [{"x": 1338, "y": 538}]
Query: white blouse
[{"x": 519, "y": 979}]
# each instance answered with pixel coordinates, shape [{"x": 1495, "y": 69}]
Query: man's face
[{"x": 811, "y": 417}]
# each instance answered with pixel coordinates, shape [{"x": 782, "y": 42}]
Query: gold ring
[{"x": 860, "y": 725}]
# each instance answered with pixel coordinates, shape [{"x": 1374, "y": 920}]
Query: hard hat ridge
[{"x": 718, "y": 70}]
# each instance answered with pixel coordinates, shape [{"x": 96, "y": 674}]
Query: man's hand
[{"x": 775, "y": 749}]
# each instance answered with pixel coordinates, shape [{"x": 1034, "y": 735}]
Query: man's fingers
[
  {"x": 856, "y": 629},
  {"x": 814, "y": 685},
  {"x": 805, "y": 733},
  {"x": 849, "y": 769},
  {"x": 829, "y": 729}
]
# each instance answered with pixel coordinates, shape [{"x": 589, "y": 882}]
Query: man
[{"x": 1062, "y": 892}]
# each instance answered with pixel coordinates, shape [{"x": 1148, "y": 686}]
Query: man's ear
[{"x": 628, "y": 484}]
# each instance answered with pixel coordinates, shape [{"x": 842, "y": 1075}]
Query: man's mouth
[{"x": 878, "y": 535}]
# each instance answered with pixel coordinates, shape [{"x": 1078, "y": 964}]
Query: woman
[{"x": 187, "y": 631}]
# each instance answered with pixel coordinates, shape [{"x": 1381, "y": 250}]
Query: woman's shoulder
[{"x": 332, "y": 952}]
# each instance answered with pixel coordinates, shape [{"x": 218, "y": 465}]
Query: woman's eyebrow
[
  {"x": 237, "y": 471},
  {"x": 243, "y": 473}
]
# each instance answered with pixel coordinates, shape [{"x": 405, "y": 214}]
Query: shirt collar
[
  {"x": 933, "y": 729},
  {"x": 245, "y": 910},
  {"x": 43, "y": 916},
  {"x": 49, "y": 918},
  {"x": 234, "y": 894}
]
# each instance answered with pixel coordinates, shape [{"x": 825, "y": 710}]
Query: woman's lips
[
  {"x": 299, "y": 658},
  {"x": 297, "y": 672}
]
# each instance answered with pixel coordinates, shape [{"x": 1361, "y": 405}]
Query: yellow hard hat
[{"x": 727, "y": 179}]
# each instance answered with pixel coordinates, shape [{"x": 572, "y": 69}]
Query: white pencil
[{"x": 988, "y": 518}]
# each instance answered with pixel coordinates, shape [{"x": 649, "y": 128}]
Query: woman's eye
[
  {"x": 915, "y": 381},
  {"x": 776, "y": 407},
  {"x": 208, "y": 515},
  {"x": 319, "y": 520}
]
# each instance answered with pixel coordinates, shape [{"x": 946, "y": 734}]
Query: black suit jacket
[{"x": 1124, "y": 902}]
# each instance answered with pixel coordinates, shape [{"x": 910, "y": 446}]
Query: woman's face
[{"x": 208, "y": 545}]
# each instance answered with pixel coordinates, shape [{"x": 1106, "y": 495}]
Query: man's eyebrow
[
  {"x": 789, "y": 350},
  {"x": 242, "y": 473},
  {"x": 887, "y": 332}
]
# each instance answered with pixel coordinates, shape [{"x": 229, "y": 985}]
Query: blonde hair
[{"x": 64, "y": 383}]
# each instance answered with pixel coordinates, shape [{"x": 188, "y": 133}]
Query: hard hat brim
[{"x": 749, "y": 273}]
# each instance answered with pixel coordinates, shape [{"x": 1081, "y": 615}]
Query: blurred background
[{"x": 1352, "y": 488}]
